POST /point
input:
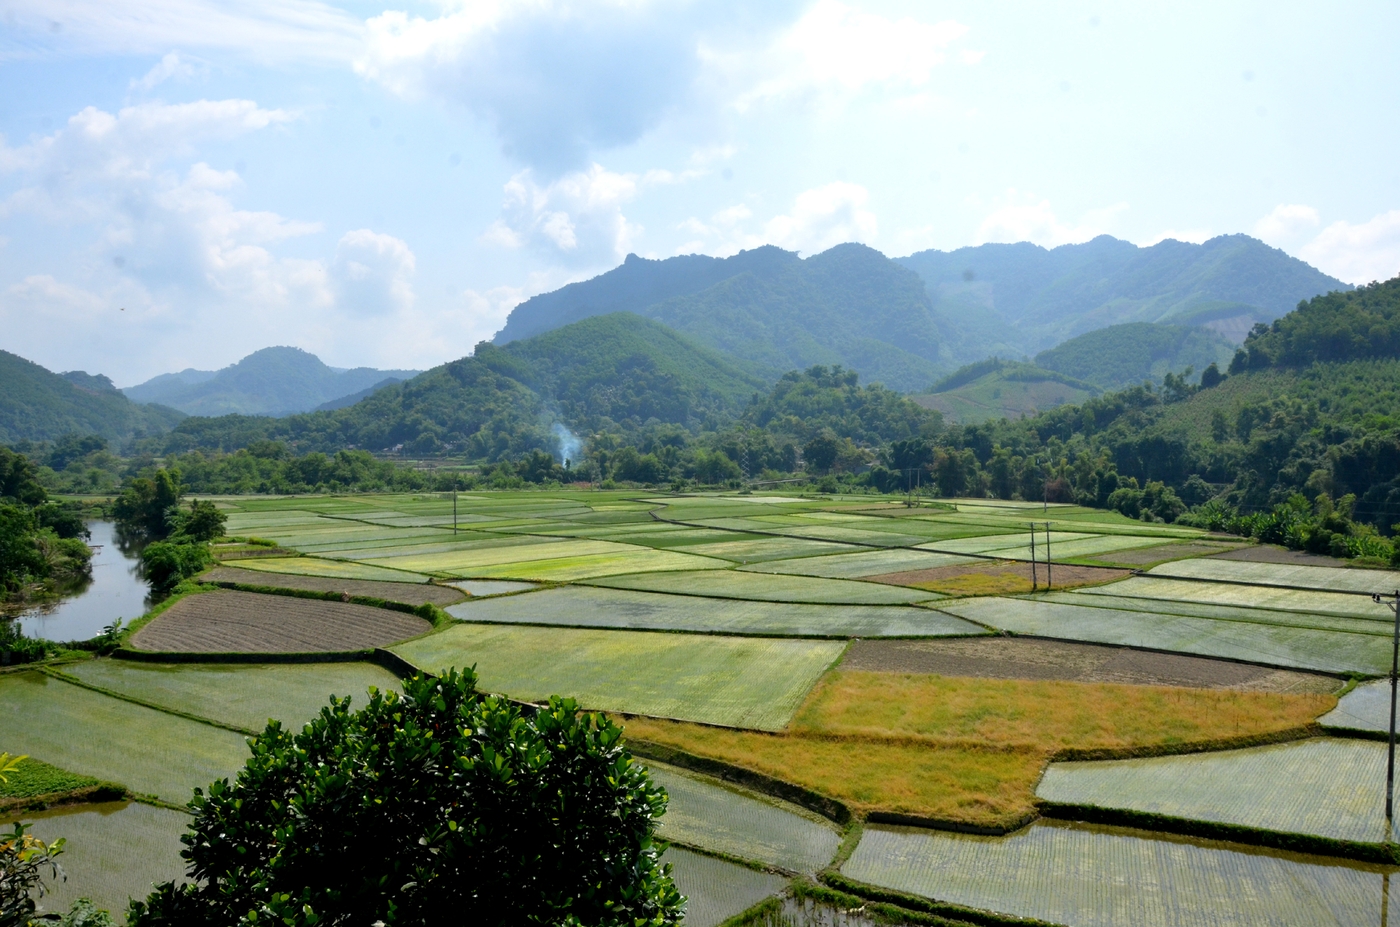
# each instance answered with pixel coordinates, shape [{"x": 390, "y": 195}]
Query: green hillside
[
  {"x": 39, "y": 405},
  {"x": 996, "y": 388},
  {"x": 273, "y": 381},
  {"x": 1123, "y": 355},
  {"x": 768, "y": 309},
  {"x": 614, "y": 371},
  {"x": 1021, "y": 298}
]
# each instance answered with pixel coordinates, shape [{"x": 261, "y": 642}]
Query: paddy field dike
[{"x": 845, "y": 697}]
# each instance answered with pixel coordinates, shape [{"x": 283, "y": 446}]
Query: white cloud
[
  {"x": 1358, "y": 253},
  {"x": 1286, "y": 223},
  {"x": 577, "y": 218},
  {"x": 43, "y": 293},
  {"x": 267, "y": 30},
  {"x": 373, "y": 273},
  {"x": 1025, "y": 217},
  {"x": 835, "y": 49},
  {"x": 823, "y": 217},
  {"x": 173, "y": 65}
]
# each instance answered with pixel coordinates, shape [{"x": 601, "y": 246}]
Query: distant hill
[
  {"x": 1018, "y": 299},
  {"x": 346, "y": 401},
  {"x": 995, "y": 388},
  {"x": 617, "y": 370},
  {"x": 1128, "y": 354},
  {"x": 39, "y": 405},
  {"x": 770, "y": 310},
  {"x": 273, "y": 381}
]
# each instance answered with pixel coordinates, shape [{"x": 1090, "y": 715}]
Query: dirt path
[
  {"x": 245, "y": 622},
  {"x": 1024, "y": 658}
]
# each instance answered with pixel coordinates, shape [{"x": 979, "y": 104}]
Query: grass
[
  {"x": 627, "y": 609},
  {"x": 734, "y": 584},
  {"x": 740, "y": 681},
  {"x": 35, "y": 777},
  {"x": 717, "y": 889},
  {"x": 1104, "y": 877},
  {"x": 971, "y": 750},
  {"x": 865, "y": 563},
  {"x": 1333, "y": 579},
  {"x": 1293, "y": 600},
  {"x": 1324, "y": 787}
]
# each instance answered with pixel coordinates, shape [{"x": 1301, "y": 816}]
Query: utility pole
[
  {"x": 1394, "y": 605},
  {"x": 1033, "y": 576},
  {"x": 454, "y": 509},
  {"x": 1048, "y": 582}
]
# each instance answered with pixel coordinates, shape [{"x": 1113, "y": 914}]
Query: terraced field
[{"x": 716, "y": 625}]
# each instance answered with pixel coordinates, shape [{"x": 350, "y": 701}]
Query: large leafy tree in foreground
[{"x": 440, "y": 806}]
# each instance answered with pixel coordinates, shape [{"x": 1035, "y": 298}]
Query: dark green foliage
[
  {"x": 273, "y": 381},
  {"x": 86, "y": 914},
  {"x": 19, "y": 479},
  {"x": 1122, "y": 355},
  {"x": 803, "y": 404},
  {"x": 428, "y": 808},
  {"x": 20, "y": 559},
  {"x": 166, "y": 564},
  {"x": 146, "y": 503},
  {"x": 1319, "y": 527},
  {"x": 1341, "y": 326},
  {"x": 1154, "y": 502},
  {"x": 26, "y": 863},
  {"x": 37, "y": 405},
  {"x": 201, "y": 524},
  {"x": 33, "y": 778}
]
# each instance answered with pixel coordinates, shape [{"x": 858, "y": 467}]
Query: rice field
[
  {"x": 1365, "y": 708},
  {"x": 865, "y": 563},
  {"x": 1330, "y": 579},
  {"x": 1260, "y": 597},
  {"x": 1258, "y": 641},
  {"x": 405, "y": 593},
  {"x": 1103, "y": 877},
  {"x": 736, "y": 681},
  {"x": 242, "y": 695},
  {"x": 91, "y": 734},
  {"x": 334, "y": 569},
  {"x": 706, "y": 814},
  {"x": 114, "y": 852},
  {"x": 717, "y": 889},
  {"x": 1324, "y": 787},
  {"x": 556, "y": 561},
  {"x": 626, "y": 609},
  {"x": 736, "y": 584}
]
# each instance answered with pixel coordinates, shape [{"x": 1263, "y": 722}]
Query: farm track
[
  {"x": 245, "y": 622},
  {"x": 407, "y": 593}
]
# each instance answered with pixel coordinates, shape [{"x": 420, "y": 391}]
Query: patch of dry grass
[{"x": 971, "y": 750}]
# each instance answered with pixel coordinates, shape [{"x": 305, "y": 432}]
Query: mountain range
[
  {"x": 908, "y": 321},
  {"x": 39, "y": 405},
  {"x": 273, "y": 381}
]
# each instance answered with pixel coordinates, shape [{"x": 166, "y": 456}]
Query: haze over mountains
[
  {"x": 39, "y": 405},
  {"x": 273, "y": 381},
  {"x": 907, "y": 322}
]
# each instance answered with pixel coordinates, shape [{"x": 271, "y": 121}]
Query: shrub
[
  {"x": 166, "y": 563},
  {"x": 438, "y": 806},
  {"x": 24, "y": 859}
]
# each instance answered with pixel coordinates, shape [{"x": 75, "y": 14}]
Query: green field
[
  {"x": 35, "y": 777},
  {"x": 557, "y": 561},
  {"x": 625, "y": 609},
  {"x": 1324, "y": 787},
  {"x": 90, "y": 734},
  {"x": 336, "y": 569},
  {"x": 727, "y": 820},
  {"x": 243, "y": 695},
  {"x": 865, "y": 563},
  {"x": 1260, "y": 641},
  {"x": 735, "y": 584},
  {"x": 1104, "y": 877},
  {"x": 1365, "y": 708},
  {"x": 736, "y": 681},
  {"x": 114, "y": 852},
  {"x": 717, "y": 890},
  {"x": 1271, "y": 597}
]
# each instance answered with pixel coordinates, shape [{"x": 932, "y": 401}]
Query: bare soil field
[
  {"x": 407, "y": 593},
  {"x": 1023, "y": 658},
  {"x": 245, "y": 622},
  {"x": 1263, "y": 553},
  {"x": 998, "y": 578}
]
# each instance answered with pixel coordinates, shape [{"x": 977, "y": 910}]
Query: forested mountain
[
  {"x": 617, "y": 371},
  {"x": 996, "y": 388},
  {"x": 273, "y": 381},
  {"x": 771, "y": 310},
  {"x": 1128, "y": 354},
  {"x": 1020, "y": 298},
  {"x": 39, "y": 405}
]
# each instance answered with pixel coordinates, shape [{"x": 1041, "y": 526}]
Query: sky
[{"x": 183, "y": 182}]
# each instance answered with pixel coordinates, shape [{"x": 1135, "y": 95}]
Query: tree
[
  {"x": 145, "y": 504},
  {"x": 202, "y": 523},
  {"x": 438, "y": 806},
  {"x": 20, "y": 559},
  {"x": 166, "y": 563},
  {"x": 821, "y": 452}
]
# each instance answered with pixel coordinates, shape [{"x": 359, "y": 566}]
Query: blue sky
[{"x": 185, "y": 181}]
